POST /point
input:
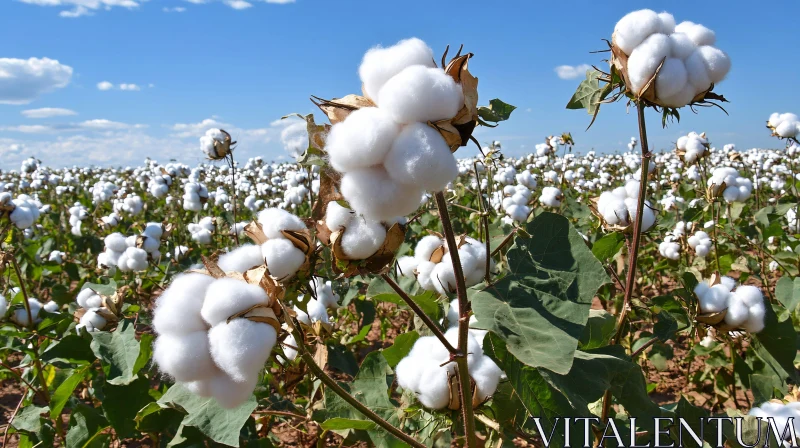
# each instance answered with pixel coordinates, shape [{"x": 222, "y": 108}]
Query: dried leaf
[
  {"x": 255, "y": 232},
  {"x": 338, "y": 109}
]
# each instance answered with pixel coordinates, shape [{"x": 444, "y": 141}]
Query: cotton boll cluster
[
  {"x": 689, "y": 63},
  {"x": 195, "y": 196},
  {"x": 282, "y": 257},
  {"x": 692, "y": 147},
  {"x": 358, "y": 237},
  {"x": 422, "y": 372},
  {"x": 516, "y": 201},
  {"x": 132, "y": 205},
  {"x": 202, "y": 230},
  {"x": 780, "y": 414},
  {"x": 669, "y": 248},
  {"x": 216, "y": 144},
  {"x": 21, "y": 317},
  {"x": 159, "y": 184},
  {"x": 25, "y": 210},
  {"x": 433, "y": 267},
  {"x": 551, "y": 197},
  {"x": 743, "y": 305},
  {"x": 77, "y": 213},
  {"x": 701, "y": 243},
  {"x": 56, "y": 256},
  {"x": 389, "y": 154},
  {"x": 133, "y": 252},
  {"x": 204, "y": 343},
  {"x": 103, "y": 191},
  {"x": 93, "y": 318},
  {"x": 736, "y": 187},
  {"x": 506, "y": 175},
  {"x": 618, "y": 207},
  {"x": 784, "y": 125}
]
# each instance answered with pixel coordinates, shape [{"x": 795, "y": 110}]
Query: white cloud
[
  {"x": 241, "y": 4},
  {"x": 129, "y": 87},
  {"x": 96, "y": 125},
  {"x": 47, "y": 112},
  {"x": 238, "y": 4},
  {"x": 80, "y": 8},
  {"x": 175, "y": 9},
  {"x": 23, "y": 80},
  {"x": 105, "y": 85},
  {"x": 571, "y": 71}
]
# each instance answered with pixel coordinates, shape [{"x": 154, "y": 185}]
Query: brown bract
[
  {"x": 378, "y": 263},
  {"x": 455, "y": 398},
  {"x": 222, "y": 148}
]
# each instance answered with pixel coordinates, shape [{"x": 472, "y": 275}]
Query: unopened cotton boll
[
  {"x": 362, "y": 140},
  {"x": 375, "y": 195},
  {"x": 646, "y": 58},
  {"x": 362, "y": 238},
  {"x": 337, "y": 217},
  {"x": 634, "y": 28},
  {"x": 227, "y": 296},
  {"x": 241, "y": 259},
  {"x": 381, "y": 64},
  {"x": 241, "y": 347},
  {"x": 421, "y": 94},
  {"x": 282, "y": 257},
  {"x": 420, "y": 156},
  {"x": 185, "y": 357},
  {"x": 273, "y": 220},
  {"x": 178, "y": 308}
]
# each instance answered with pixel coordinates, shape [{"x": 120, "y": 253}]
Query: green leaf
[
  {"x": 380, "y": 291},
  {"x": 496, "y": 111},
  {"x": 401, "y": 347},
  {"x": 64, "y": 391},
  {"x": 72, "y": 349},
  {"x": 145, "y": 352},
  {"x": 104, "y": 290},
  {"x": 776, "y": 345},
  {"x": 220, "y": 424},
  {"x": 541, "y": 308},
  {"x": 29, "y": 418},
  {"x": 118, "y": 352},
  {"x": 599, "y": 330},
  {"x": 155, "y": 419},
  {"x": 788, "y": 293},
  {"x": 338, "y": 424},
  {"x": 85, "y": 426},
  {"x": 121, "y": 404},
  {"x": 607, "y": 247}
]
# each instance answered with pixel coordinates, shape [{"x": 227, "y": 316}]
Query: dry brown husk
[
  {"x": 110, "y": 308},
  {"x": 455, "y": 398},
  {"x": 222, "y": 148},
  {"x": 378, "y": 263}
]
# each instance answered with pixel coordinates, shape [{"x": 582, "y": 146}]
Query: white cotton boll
[
  {"x": 443, "y": 277},
  {"x": 240, "y": 348},
  {"x": 83, "y": 296},
  {"x": 486, "y": 375},
  {"x": 426, "y": 246},
  {"x": 231, "y": 394},
  {"x": 290, "y": 347},
  {"x": 178, "y": 307},
  {"x": 645, "y": 59},
  {"x": 755, "y": 320},
  {"x": 681, "y": 46},
  {"x": 409, "y": 373},
  {"x": 337, "y": 217},
  {"x": 616, "y": 212},
  {"x": 717, "y": 62},
  {"x": 362, "y": 140},
  {"x": 150, "y": 244},
  {"x": 185, "y": 357},
  {"x": 731, "y": 194},
  {"x": 632, "y": 188},
  {"x": 421, "y": 94},
  {"x": 749, "y": 295},
  {"x": 21, "y": 315},
  {"x": 362, "y": 238},
  {"x": 680, "y": 99},
  {"x": 375, "y": 195},
  {"x": 317, "y": 311},
  {"x": 702, "y": 250},
  {"x": 698, "y": 73},
  {"x": 406, "y": 266},
  {"x": 424, "y": 277},
  {"x": 634, "y": 28},
  {"x": 282, "y": 257},
  {"x": 93, "y": 321},
  {"x": 226, "y": 297},
  {"x": 518, "y": 213},
  {"x": 241, "y": 259},
  {"x": 736, "y": 313},
  {"x": 434, "y": 392},
  {"x": 787, "y": 129},
  {"x": 648, "y": 217},
  {"x": 667, "y": 23},
  {"x": 727, "y": 282},
  {"x": 421, "y": 157},
  {"x": 273, "y": 220},
  {"x": 130, "y": 241},
  {"x": 153, "y": 230},
  {"x": 135, "y": 259},
  {"x": 701, "y": 289},
  {"x": 116, "y": 242},
  {"x": 381, "y": 64},
  {"x": 699, "y": 34},
  {"x": 474, "y": 350},
  {"x": 715, "y": 299},
  {"x": 682, "y": 142}
]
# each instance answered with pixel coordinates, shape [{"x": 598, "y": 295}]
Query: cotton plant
[
  {"x": 726, "y": 182},
  {"x": 784, "y": 125},
  {"x": 23, "y": 211},
  {"x": 216, "y": 144},
  {"x": 742, "y": 307},
  {"x": 618, "y": 208},
  {"x": 195, "y": 196},
  {"x": 432, "y": 266},
  {"x": 77, "y": 214},
  {"x": 93, "y": 314},
  {"x": 132, "y": 253}
]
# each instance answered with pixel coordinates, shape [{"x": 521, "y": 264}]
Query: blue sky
[{"x": 178, "y": 67}]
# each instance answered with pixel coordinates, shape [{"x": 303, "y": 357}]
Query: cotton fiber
[
  {"x": 362, "y": 140},
  {"x": 381, "y": 64},
  {"x": 421, "y": 94},
  {"x": 375, "y": 195}
]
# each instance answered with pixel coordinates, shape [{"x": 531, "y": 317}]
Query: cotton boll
[
  {"x": 381, "y": 64},
  {"x": 241, "y": 259},
  {"x": 83, "y": 296},
  {"x": 474, "y": 350},
  {"x": 736, "y": 313},
  {"x": 486, "y": 375},
  {"x": 178, "y": 308},
  {"x": 337, "y": 217},
  {"x": 226, "y": 297},
  {"x": 362, "y": 238},
  {"x": 615, "y": 212},
  {"x": 749, "y": 295},
  {"x": 701, "y": 289},
  {"x": 421, "y": 94},
  {"x": 420, "y": 156},
  {"x": 290, "y": 347},
  {"x": 282, "y": 257},
  {"x": 681, "y": 46},
  {"x": 699, "y": 34},
  {"x": 443, "y": 278},
  {"x": 21, "y": 315},
  {"x": 427, "y": 246},
  {"x": 424, "y": 277},
  {"x": 646, "y": 58},
  {"x": 241, "y": 347},
  {"x": 201, "y": 388},
  {"x": 434, "y": 392},
  {"x": 671, "y": 79},
  {"x": 185, "y": 357},
  {"x": 375, "y": 195},
  {"x": 273, "y": 220},
  {"x": 153, "y": 230},
  {"x": 634, "y": 28},
  {"x": 698, "y": 73},
  {"x": 409, "y": 373},
  {"x": 717, "y": 62},
  {"x": 116, "y": 242},
  {"x": 755, "y": 320},
  {"x": 406, "y": 266},
  {"x": 727, "y": 282},
  {"x": 150, "y": 244},
  {"x": 93, "y": 321},
  {"x": 231, "y": 394},
  {"x": 715, "y": 300},
  {"x": 362, "y": 140},
  {"x": 787, "y": 129}
]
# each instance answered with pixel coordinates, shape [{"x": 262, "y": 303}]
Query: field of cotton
[{"x": 403, "y": 284}]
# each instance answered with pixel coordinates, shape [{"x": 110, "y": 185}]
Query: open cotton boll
[
  {"x": 226, "y": 297},
  {"x": 361, "y": 140},
  {"x": 421, "y": 94},
  {"x": 736, "y": 313},
  {"x": 474, "y": 349},
  {"x": 755, "y": 319},
  {"x": 231, "y": 394},
  {"x": 697, "y": 72},
  {"x": 672, "y": 78},
  {"x": 85, "y": 296},
  {"x": 717, "y": 62},
  {"x": 375, "y": 195},
  {"x": 434, "y": 392},
  {"x": 424, "y": 277},
  {"x": 116, "y": 242},
  {"x": 324, "y": 291},
  {"x": 787, "y": 129},
  {"x": 241, "y": 347},
  {"x": 409, "y": 373},
  {"x": 337, "y": 217},
  {"x": 699, "y": 34},
  {"x": 426, "y": 246},
  {"x": 153, "y": 230},
  {"x": 381, "y": 64},
  {"x": 273, "y": 220},
  {"x": 634, "y": 28},
  {"x": 727, "y": 282},
  {"x": 21, "y": 314},
  {"x": 241, "y": 259},
  {"x": 406, "y": 266},
  {"x": 92, "y": 321},
  {"x": 362, "y": 238},
  {"x": 178, "y": 307},
  {"x": 518, "y": 212},
  {"x": 185, "y": 357},
  {"x": 420, "y": 156},
  {"x": 486, "y": 375},
  {"x": 715, "y": 299},
  {"x": 282, "y": 257},
  {"x": 681, "y": 46},
  {"x": 667, "y": 23},
  {"x": 646, "y": 58},
  {"x": 290, "y": 347}
]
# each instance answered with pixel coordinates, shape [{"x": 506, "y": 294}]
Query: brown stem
[
  {"x": 233, "y": 198},
  {"x": 418, "y": 311},
  {"x": 463, "y": 323}
]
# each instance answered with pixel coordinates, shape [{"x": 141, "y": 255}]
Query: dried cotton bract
[{"x": 216, "y": 144}]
